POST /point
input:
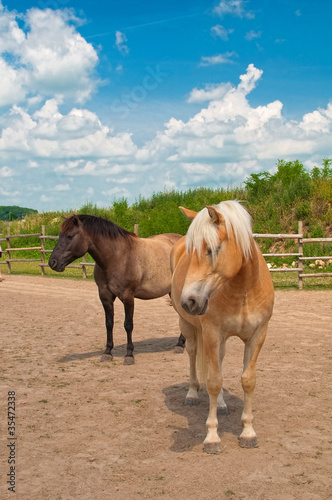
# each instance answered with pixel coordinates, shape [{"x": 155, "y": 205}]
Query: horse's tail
[{"x": 201, "y": 363}]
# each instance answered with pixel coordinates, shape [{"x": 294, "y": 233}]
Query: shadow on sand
[
  {"x": 142, "y": 346},
  {"x": 186, "y": 438}
]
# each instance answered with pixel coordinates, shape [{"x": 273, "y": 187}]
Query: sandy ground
[{"x": 87, "y": 429}]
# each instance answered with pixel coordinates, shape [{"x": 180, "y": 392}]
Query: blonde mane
[{"x": 203, "y": 229}]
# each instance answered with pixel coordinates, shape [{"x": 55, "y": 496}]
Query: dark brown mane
[{"x": 96, "y": 226}]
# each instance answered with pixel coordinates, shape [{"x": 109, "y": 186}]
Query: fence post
[
  {"x": 300, "y": 261},
  {"x": 8, "y": 251},
  {"x": 136, "y": 229},
  {"x": 42, "y": 267}
]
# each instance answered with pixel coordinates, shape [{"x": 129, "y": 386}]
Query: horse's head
[
  {"x": 72, "y": 244},
  {"x": 218, "y": 241}
]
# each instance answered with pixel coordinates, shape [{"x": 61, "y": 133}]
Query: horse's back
[
  {"x": 152, "y": 263},
  {"x": 167, "y": 238}
]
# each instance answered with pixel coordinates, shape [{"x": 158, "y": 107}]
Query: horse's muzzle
[
  {"x": 56, "y": 266},
  {"x": 193, "y": 306}
]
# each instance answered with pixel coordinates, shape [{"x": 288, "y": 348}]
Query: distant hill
[{"x": 14, "y": 212}]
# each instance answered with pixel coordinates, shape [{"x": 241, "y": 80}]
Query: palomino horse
[
  {"x": 221, "y": 287},
  {"x": 126, "y": 267}
]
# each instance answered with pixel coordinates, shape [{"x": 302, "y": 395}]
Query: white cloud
[
  {"x": 62, "y": 187},
  {"x": 249, "y": 79},
  {"x": 49, "y": 134},
  {"x": 222, "y": 143},
  {"x": 120, "y": 42},
  {"x": 6, "y": 172},
  {"x": 318, "y": 121},
  {"x": 220, "y": 31},
  {"x": 116, "y": 192},
  {"x": 11, "y": 35},
  {"x": 210, "y": 93},
  {"x": 253, "y": 35},
  {"x": 228, "y": 138},
  {"x": 225, "y": 58},
  {"x": 198, "y": 172},
  {"x": 9, "y": 193},
  {"x": 45, "y": 199},
  {"x": 233, "y": 7},
  {"x": 12, "y": 84},
  {"x": 44, "y": 61}
]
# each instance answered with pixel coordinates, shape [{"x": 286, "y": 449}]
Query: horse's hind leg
[
  {"x": 179, "y": 348},
  {"x": 128, "y": 302},
  {"x": 181, "y": 344},
  {"x": 190, "y": 337},
  {"x": 248, "y": 437}
]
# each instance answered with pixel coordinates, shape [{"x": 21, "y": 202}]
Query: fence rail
[{"x": 84, "y": 264}]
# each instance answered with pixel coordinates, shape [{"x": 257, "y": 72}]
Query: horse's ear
[
  {"x": 76, "y": 219},
  {"x": 190, "y": 214},
  {"x": 215, "y": 216}
]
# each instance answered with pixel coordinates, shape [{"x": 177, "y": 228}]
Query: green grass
[
  {"x": 32, "y": 268},
  {"x": 281, "y": 280},
  {"x": 284, "y": 281}
]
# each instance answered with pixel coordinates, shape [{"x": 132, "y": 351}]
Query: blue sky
[{"x": 103, "y": 101}]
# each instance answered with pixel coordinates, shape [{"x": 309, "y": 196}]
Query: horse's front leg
[
  {"x": 190, "y": 339},
  {"x": 128, "y": 302},
  {"x": 107, "y": 299},
  {"x": 213, "y": 354},
  {"x": 181, "y": 343},
  {"x": 248, "y": 437},
  {"x": 109, "y": 322}
]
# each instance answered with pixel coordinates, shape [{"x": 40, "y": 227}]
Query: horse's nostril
[
  {"x": 195, "y": 305},
  {"x": 52, "y": 263},
  {"x": 189, "y": 304}
]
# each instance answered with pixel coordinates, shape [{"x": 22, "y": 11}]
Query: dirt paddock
[{"x": 87, "y": 429}]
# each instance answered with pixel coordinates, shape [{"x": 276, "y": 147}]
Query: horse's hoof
[
  {"x": 106, "y": 357},
  {"x": 129, "y": 360},
  {"x": 212, "y": 448},
  {"x": 178, "y": 350},
  {"x": 222, "y": 410},
  {"x": 248, "y": 442},
  {"x": 191, "y": 401}
]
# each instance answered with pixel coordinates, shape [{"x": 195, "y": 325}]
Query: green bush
[{"x": 275, "y": 201}]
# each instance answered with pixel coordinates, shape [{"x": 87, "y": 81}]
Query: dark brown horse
[{"x": 126, "y": 267}]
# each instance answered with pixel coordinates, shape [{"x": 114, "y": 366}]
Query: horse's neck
[{"x": 106, "y": 251}]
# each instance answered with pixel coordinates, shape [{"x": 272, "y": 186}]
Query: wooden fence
[
  {"x": 300, "y": 258},
  {"x": 43, "y": 263}
]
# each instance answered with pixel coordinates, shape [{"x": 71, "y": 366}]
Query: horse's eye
[
  {"x": 70, "y": 236},
  {"x": 214, "y": 252}
]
